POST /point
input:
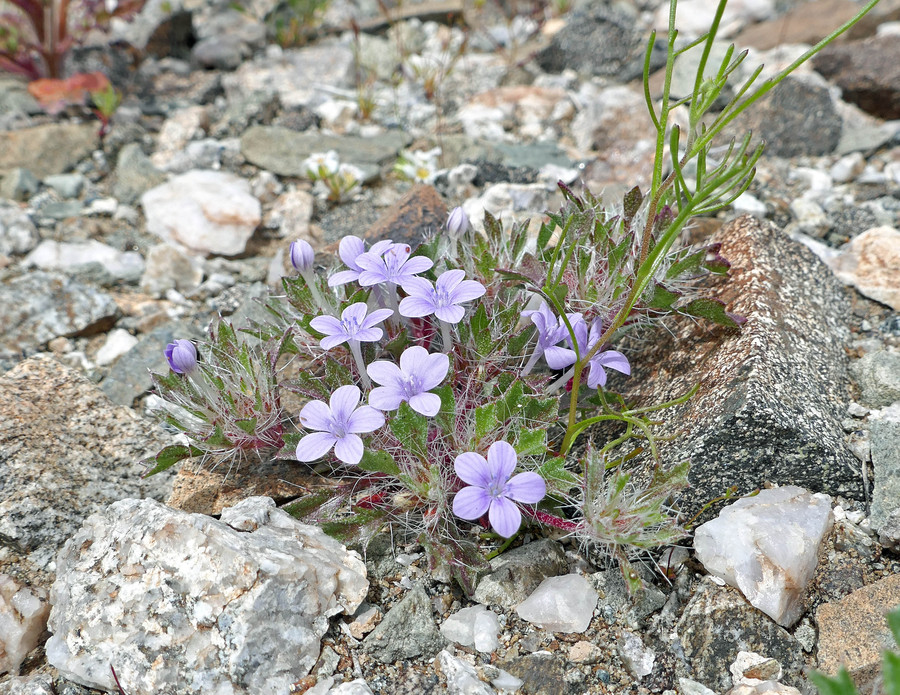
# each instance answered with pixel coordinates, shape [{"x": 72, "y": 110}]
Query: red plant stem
[{"x": 551, "y": 520}]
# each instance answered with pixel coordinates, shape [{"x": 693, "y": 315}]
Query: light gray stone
[
  {"x": 17, "y": 232},
  {"x": 878, "y": 376},
  {"x": 407, "y": 631},
  {"x": 518, "y": 572},
  {"x": 38, "y": 149},
  {"x": 461, "y": 677},
  {"x": 39, "y": 306},
  {"x": 67, "y": 185},
  {"x": 560, "y": 604},
  {"x": 23, "y": 619},
  {"x": 173, "y": 598},
  {"x": 18, "y": 184},
  {"x": 69, "y": 256},
  {"x": 168, "y": 268},
  {"x": 134, "y": 174},
  {"x": 474, "y": 626},
  {"x": 885, "y": 444}
]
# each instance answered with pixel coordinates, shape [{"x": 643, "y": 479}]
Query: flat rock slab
[
  {"x": 65, "y": 452},
  {"x": 283, "y": 151},
  {"x": 868, "y": 73},
  {"x": 39, "y": 306},
  {"x": 853, "y": 632},
  {"x": 47, "y": 149},
  {"x": 771, "y": 396},
  {"x": 417, "y": 216}
]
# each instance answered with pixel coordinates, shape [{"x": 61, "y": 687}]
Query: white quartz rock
[
  {"x": 560, "y": 604},
  {"x": 461, "y": 677},
  {"x": 23, "y": 618},
  {"x": 766, "y": 546},
  {"x": 205, "y": 211},
  {"x": 183, "y": 602},
  {"x": 475, "y": 626}
]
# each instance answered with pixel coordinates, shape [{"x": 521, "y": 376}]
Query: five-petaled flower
[
  {"x": 354, "y": 325},
  {"x": 492, "y": 490},
  {"x": 350, "y": 249},
  {"x": 182, "y": 356},
  {"x": 609, "y": 359},
  {"x": 339, "y": 425},
  {"x": 393, "y": 266},
  {"x": 417, "y": 374},
  {"x": 442, "y": 299},
  {"x": 550, "y": 331}
]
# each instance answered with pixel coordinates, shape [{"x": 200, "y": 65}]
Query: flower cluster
[{"x": 335, "y": 180}]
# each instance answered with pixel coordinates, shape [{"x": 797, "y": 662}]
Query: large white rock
[
  {"x": 561, "y": 604},
  {"x": 766, "y": 546},
  {"x": 181, "y": 602},
  {"x": 23, "y": 618},
  {"x": 475, "y": 626},
  {"x": 64, "y": 255},
  {"x": 205, "y": 211}
]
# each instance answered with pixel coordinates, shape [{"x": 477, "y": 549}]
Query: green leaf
[
  {"x": 352, "y": 528},
  {"x": 517, "y": 342},
  {"x": 492, "y": 228},
  {"x": 842, "y": 684},
  {"x": 712, "y": 310},
  {"x": 662, "y": 298},
  {"x": 248, "y": 425},
  {"x": 554, "y": 472},
  {"x": 631, "y": 203},
  {"x": 512, "y": 405},
  {"x": 411, "y": 429},
  {"x": 893, "y": 620},
  {"x": 171, "y": 455},
  {"x": 379, "y": 462},
  {"x": 544, "y": 235},
  {"x": 485, "y": 420},
  {"x": 446, "y": 417},
  {"x": 542, "y": 410},
  {"x": 218, "y": 440},
  {"x": 398, "y": 343},
  {"x": 690, "y": 263},
  {"x": 891, "y": 673},
  {"x": 618, "y": 253},
  {"x": 481, "y": 331},
  {"x": 304, "y": 507},
  {"x": 336, "y": 375},
  {"x": 531, "y": 442},
  {"x": 226, "y": 336}
]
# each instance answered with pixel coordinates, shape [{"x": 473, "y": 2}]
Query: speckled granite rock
[
  {"x": 65, "y": 452},
  {"x": 408, "y": 630},
  {"x": 717, "y": 623},
  {"x": 771, "y": 396}
]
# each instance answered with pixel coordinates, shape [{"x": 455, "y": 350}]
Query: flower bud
[
  {"x": 457, "y": 222},
  {"x": 182, "y": 356},
  {"x": 302, "y": 256}
]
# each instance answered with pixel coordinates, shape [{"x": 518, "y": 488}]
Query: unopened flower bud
[
  {"x": 302, "y": 256},
  {"x": 182, "y": 356},
  {"x": 457, "y": 222}
]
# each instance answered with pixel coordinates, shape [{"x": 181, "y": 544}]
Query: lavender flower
[
  {"x": 340, "y": 423},
  {"x": 350, "y": 249},
  {"x": 457, "y": 222},
  {"x": 442, "y": 299},
  {"x": 302, "y": 256},
  {"x": 393, "y": 266},
  {"x": 417, "y": 374},
  {"x": 611, "y": 359},
  {"x": 550, "y": 331},
  {"x": 492, "y": 490},
  {"x": 353, "y": 326},
  {"x": 182, "y": 356}
]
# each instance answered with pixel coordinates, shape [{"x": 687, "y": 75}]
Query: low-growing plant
[
  {"x": 446, "y": 385},
  {"x": 337, "y": 182}
]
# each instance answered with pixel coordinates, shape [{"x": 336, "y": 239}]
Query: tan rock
[
  {"x": 871, "y": 263},
  {"x": 41, "y": 151},
  {"x": 853, "y": 632}
]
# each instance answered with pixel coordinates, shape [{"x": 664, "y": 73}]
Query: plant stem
[{"x": 360, "y": 365}]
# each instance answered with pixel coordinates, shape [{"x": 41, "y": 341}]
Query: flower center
[
  {"x": 412, "y": 387},
  {"x": 441, "y": 297},
  {"x": 496, "y": 489},
  {"x": 350, "y": 326},
  {"x": 338, "y": 428}
]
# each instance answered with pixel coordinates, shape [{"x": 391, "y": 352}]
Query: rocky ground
[{"x": 112, "y": 247}]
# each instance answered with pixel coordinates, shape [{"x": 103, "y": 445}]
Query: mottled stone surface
[
  {"x": 182, "y": 602},
  {"x": 408, "y": 630},
  {"x": 283, "y": 151},
  {"x": 23, "y": 618},
  {"x": 853, "y": 632},
  {"x": 38, "y": 149},
  {"x": 39, "y": 306},
  {"x": 717, "y": 623},
  {"x": 418, "y": 215},
  {"x": 868, "y": 73},
  {"x": 65, "y": 452},
  {"x": 772, "y": 395},
  {"x": 518, "y": 572}
]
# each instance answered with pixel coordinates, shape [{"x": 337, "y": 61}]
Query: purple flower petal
[
  {"x": 379, "y": 247},
  {"x": 450, "y": 314},
  {"x": 349, "y": 449},
  {"x": 427, "y": 404},
  {"x": 413, "y": 360},
  {"x": 385, "y": 397},
  {"x": 613, "y": 359},
  {"x": 375, "y": 317},
  {"x": 343, "y": 277},
  {"x": 365, "y": 419},
  {"x": 417, "y": 287},
  {"x": 466, "y": 291},
  {"x": 433, "y": 372},
  {"x": 450, "y": 279},
  {"x": 558, "y": 358},
  {"x": 416, "y": 306},
  {"x": 368, "y": 335},
  {"x": 529, "y": 488},
  {"x": 316, "y": 415},
  {"x": 597, "y": 376},
  {"x": 504, "y": 516},
  {"x": 471, "y": 503},
  {"x": 472, "y": 469},
  {"x": 501, "y": 461},
  {"x": 343, "y": 401},
  {"x": 417, "y": 264},
  {"x": 327, "y": 325},
  {"x": 355, "y": 312},
  {"x": 350, "y": 249},
  {"x": 385, "y": 373},
  {"x": 332, "y": 341},
  {"x": 315, "y": 445}
]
